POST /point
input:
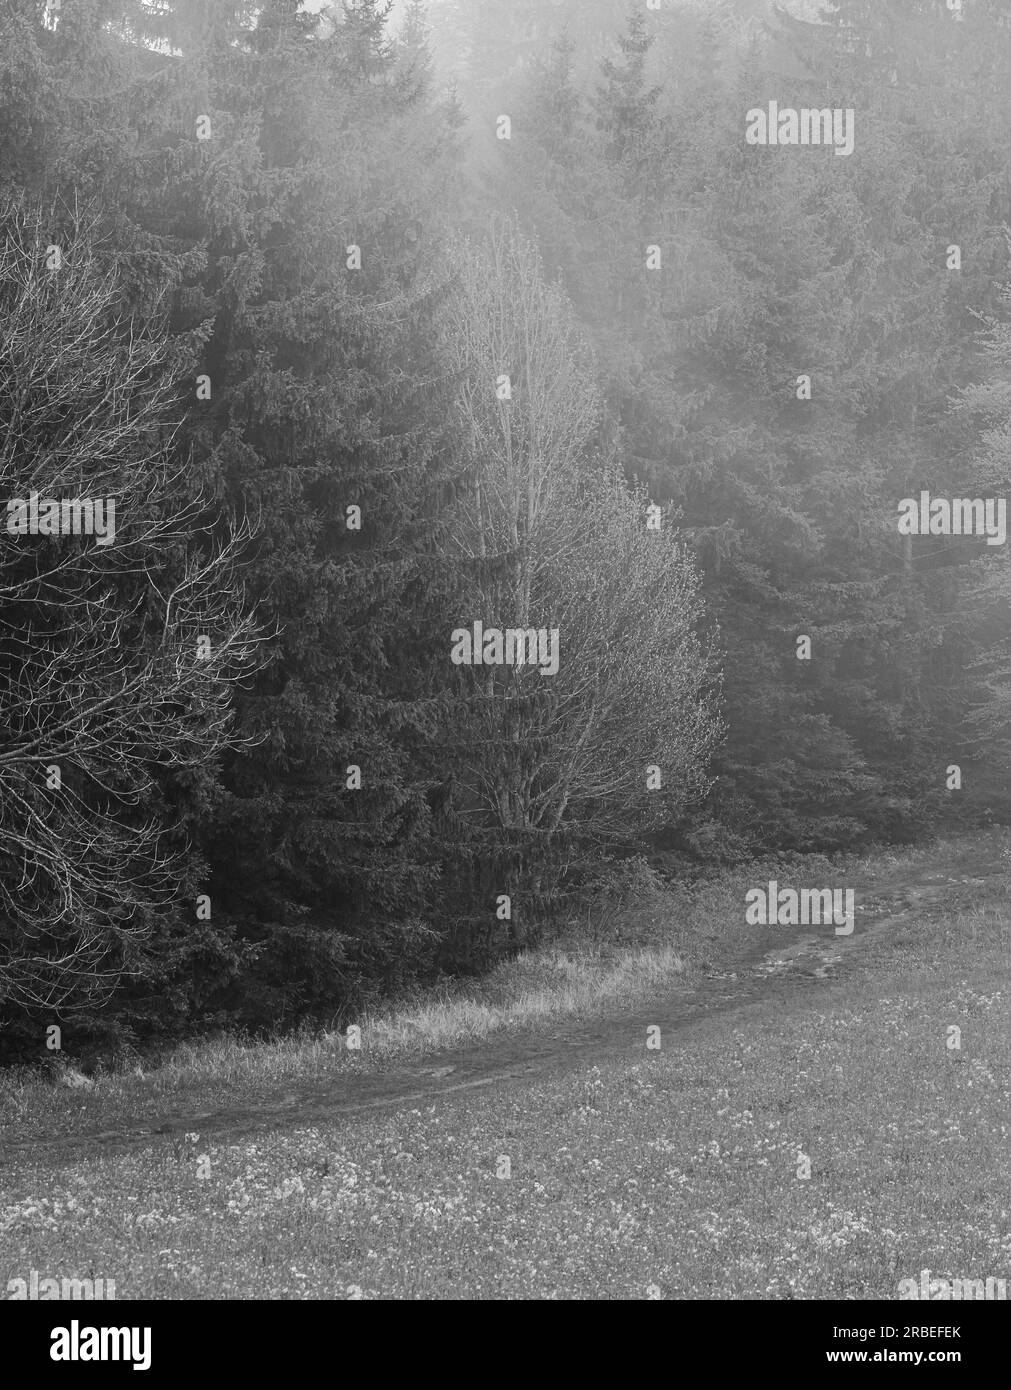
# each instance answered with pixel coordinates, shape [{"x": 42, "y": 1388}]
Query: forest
[{"x": 485, "y": 470}]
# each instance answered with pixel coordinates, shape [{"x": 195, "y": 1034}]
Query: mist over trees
[{"x": 365, "y": 364}]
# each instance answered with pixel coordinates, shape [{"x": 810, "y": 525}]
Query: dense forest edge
[{"x": 383, "y": 325}]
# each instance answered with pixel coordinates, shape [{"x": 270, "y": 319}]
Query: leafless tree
[
  {"x": 117, "y": 660},
  {"x": 553, "y": 538}
]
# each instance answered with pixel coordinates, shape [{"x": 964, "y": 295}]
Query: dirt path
[{"x": 786, "y": 964}]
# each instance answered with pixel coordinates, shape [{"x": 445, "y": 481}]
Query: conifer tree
[{"x": 287, "y": 182}]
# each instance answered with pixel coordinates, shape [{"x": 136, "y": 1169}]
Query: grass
[
  {"x": 528, "y": 993},
  {"x": 679, "y": 1174},
  {"x": 622, "y": 955}
]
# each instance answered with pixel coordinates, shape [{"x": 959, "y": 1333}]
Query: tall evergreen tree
[
  {"x": 778, "y": 265},
  {"x": 290, "y": 182},
  {"x": 625, "y": 102}
]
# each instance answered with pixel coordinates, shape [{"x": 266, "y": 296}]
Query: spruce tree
[{"x": 287, "y": 184}]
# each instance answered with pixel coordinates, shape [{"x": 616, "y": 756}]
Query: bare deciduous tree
[
  {"x": 552, "y": 538},
  {"x": 117, "y": 658}
]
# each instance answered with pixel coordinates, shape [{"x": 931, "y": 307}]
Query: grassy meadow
[{"x": 824, "y": 1142}]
